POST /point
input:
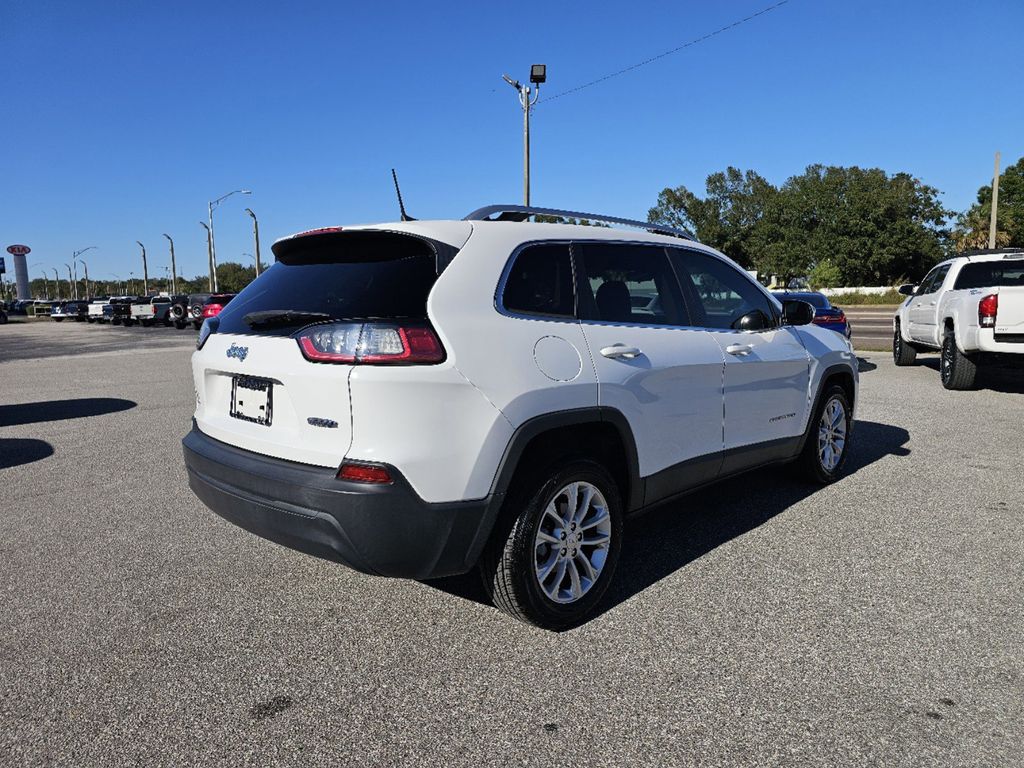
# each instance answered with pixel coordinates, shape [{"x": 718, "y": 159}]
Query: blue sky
[{"x": 122, "y": 119}]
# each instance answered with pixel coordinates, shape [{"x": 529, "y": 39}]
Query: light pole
[
  {"x": 72, "y": 293},
  {"x": 209, "y": 251},
  {"x": 86, "y": 278},
  {"x": 256, "y": 237},
  {"x": 56, "y": 283},
  {"x": 538, "y": 75},
  {"x": 131, "y": 283},
  {"x": 213, "y": 241},
  {"x": 145, "y": 271},
  {"x": 46, "y": 283},
  {"x": 119, "y": 283},
  {"x": 74, "y": 260},
  {"x": 174, "y": 271},
  {"x": 251, "y": 257}
]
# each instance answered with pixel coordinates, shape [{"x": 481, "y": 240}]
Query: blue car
[{"x": 825, "y": 314}]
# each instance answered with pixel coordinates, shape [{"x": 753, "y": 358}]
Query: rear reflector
[
  {"x": 370, "y": 343},
  {"x": 987, "y": 309},
  {"x": 364, "y": 473}
]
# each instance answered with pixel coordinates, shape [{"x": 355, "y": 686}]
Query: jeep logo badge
[{"x": 239, "y": 352}]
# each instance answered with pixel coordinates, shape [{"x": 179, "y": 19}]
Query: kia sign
[{"x": 21, "y": 270}]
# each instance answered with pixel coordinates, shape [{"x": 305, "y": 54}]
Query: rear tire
[
  {"x": 957, "y": 370},
  {"x": 534, "y": 570},
  {"x": 828, "y": 439},
  {"x": 902, "y": 353},
  {"x": 180, "y": 324}
]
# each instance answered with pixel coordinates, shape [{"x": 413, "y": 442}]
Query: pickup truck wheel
[
  {"x": 902, "y": 353},
  {"x": 824, "y": 453},
  {"x": 555, "y": 564},
  {"x": 957, "y": 370}
]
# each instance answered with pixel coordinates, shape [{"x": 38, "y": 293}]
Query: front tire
[
  {"x": 555, "y": 564},
  {"x": 902, "y": 353},
  {"x": 957, "y": 370},
  {"x": 824, "y": 454}
]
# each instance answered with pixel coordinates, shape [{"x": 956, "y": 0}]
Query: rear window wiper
[{"x": 271, "y": 317}]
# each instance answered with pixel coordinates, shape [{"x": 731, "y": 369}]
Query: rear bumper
[{"x": 387, "y": 530}]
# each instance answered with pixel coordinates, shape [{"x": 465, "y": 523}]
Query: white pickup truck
[{"x": 970, "y": 309}]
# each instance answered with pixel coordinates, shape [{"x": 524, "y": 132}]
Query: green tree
[
  {"x": 973, "y": 225},
  {"x": 725, "y": 217},
  {"x": 233, "y": 277},
  {"x": 874, "y": 228}
]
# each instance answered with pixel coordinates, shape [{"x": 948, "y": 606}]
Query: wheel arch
[{"x": 604, "y": 432}]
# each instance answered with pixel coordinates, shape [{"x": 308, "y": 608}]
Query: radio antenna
[{"x": 398, "y": 191}]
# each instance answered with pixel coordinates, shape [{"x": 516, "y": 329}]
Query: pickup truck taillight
[
  {"x": 371, "y": 343},
  {"x": 987, "y": 309}
]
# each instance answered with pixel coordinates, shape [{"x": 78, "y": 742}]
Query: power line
[{"x": 693, "y": 42}]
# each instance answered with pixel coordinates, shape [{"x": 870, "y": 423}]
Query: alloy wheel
[
  {"x": 571, "y": 544},
  {"x": 832, "y": 434}
]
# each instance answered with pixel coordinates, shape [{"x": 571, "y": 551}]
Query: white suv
[{"x": 420, "y": 398}]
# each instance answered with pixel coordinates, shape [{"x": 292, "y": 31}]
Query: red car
[{"x": 213, "y": 306}]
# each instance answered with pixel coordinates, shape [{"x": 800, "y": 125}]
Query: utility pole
[
  {"x": 56, "y": 283},
  {"x": 145, "y": 271},
  {"x": 72, "y": 293},
  {"x": 209, "y": 251},
  {"x": 256, "y": 236},
  {"x": 86, "y": 278},
  {"x": 174, "y": 271},
  {"x": 74, "y": 260},
  {"x": 995, "y": 205},
  {"x": 538, "y": 75}
]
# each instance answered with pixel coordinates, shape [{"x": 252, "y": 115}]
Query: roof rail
[{"x": 523, "y": 212}]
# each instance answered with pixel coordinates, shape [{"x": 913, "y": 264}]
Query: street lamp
[
  {"x": 119, "y": 283},
  {"x": 256, "y": 237},
  {"x": 209, "y": 251},
  {"x": 74, "y": 260},
  {"x": 86, "y": 278},
  {"x": 538, "y": 75},
  {"x": 46, "y": 282},
  {"x": 213, "y": 242},
  {"x": 131, "y": 283},
  {"x": 72, "y": 293},
  {"x": 56, "y": 282},
  {"x": 174, "y": 271},
  {"x": 145, "y": 271}
]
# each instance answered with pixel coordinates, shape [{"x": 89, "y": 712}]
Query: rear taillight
[
  {"x": 211, "y": 310},
  {"x": 153, "y": 309},
  {"x": 821, "y": 319},
  {"x": 987, "y": 309},
  {"x": 371, "y": 343},
  {"x": 364, "y": 473}
]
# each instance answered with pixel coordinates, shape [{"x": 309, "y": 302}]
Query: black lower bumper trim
[{"x": 386, "y": 530}]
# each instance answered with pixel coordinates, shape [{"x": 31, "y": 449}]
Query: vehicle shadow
[
  {"x": 865, "y": 366},
  {"x": 17, "y": 451},
  {"x": 58, "y": 410},
  {"x": 996, "y": 378},
  {"x": 674, "y": 534}
]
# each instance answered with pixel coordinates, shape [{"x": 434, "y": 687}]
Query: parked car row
[{"x": 179, "y": 310}]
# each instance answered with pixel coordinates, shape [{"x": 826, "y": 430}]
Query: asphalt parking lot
[{"x": 878, "y": 621}]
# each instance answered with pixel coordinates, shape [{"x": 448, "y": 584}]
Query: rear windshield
[
  {"x": 350, "y": 275},
  {"x": 991, "y": 274}
]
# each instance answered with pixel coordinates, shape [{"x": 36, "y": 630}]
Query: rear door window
[
  {"x": 338, "y": 276},
  {"x": 540, "y": 282},
  {"x": 626, "y": 283}
]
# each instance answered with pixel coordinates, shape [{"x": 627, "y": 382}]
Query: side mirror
[
  {"x": 755, "y": 320},
  {"x": 907, "y": 290},
  {"x": 797, "y": 312}
]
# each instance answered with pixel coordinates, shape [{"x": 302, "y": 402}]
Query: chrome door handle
[
  {"x": 619, "y": 350},
  {"x": 740, "y": 349}
]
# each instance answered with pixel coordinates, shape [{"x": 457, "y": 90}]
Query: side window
[
  {"x": 623, "y": 283},
  {"x": 719, "y": 294},
  {"x": 540, "y": 282},
  {"x": 928, "y": 284},
  {"x": 939, "y": 278}
]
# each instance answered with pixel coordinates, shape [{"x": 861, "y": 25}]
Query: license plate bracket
[{"x": 252, "y": 399}]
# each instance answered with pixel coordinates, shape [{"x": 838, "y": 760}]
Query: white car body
[
  {"x": 96, "y": 310},
  {"x": 940, "y": 306},
  {"x": 691, "y": 404}
]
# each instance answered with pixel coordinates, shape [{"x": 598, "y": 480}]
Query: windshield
[{"x": 354, "y": 275}]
